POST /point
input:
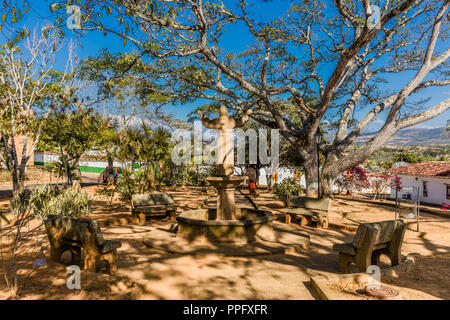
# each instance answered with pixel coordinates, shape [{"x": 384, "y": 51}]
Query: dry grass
[{"x": 34, "y": 175}]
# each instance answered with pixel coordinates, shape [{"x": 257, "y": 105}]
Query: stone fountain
[
  {"x": 226, "y": 222},
  {"x": 238, "y": 230}
]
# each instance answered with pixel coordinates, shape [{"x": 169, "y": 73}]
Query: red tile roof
[{"x": 432, "y": 168}]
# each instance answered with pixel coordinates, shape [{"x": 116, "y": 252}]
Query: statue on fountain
[{"x": 225, "y": 145}]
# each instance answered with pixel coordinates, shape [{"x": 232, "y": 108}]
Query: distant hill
[
  {"x": 418, "y": 137},
  {"x": 405, "y": 137}
]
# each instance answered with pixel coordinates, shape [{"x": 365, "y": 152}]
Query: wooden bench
[
  {"x": 372, "y": 240},
  {"x": 309, "y": 210},
  {"x": 152, "y": 204},
  {"x": 68, "y": 233}
]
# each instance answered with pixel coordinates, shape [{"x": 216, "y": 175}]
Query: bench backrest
[
  {"x": 385, "y": 231},
  {"x": 73, "y": 229},
  {"x": 311, "y": 203},
  {"x": 150, "y": 199}
]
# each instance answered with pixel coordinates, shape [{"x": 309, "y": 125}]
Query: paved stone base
[{"x": 287, "y": 239}]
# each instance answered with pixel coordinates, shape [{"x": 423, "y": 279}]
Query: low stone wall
[
  {"x": 391, "y": 204},
  {"x": 200, "y": 225},
  {"x": 320, "y": 283}
]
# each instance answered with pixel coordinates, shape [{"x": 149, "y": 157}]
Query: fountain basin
[
  {"x": 250, "y": 225},
  {"x": 226, "y": 181}
]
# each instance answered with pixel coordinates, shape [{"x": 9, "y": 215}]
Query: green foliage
[
  {"x": 71, "y": 202},
  {"x": 20, "y": 203},
  {"x": 41, "y": 199},
  {"x": 71, "y": 134},
  {"x": 385, "y": 156},
  {"x": 131, "y": 182},
  {"x": 189, "y": 176},
  {"x": 286, "y": 189},
  {"x": 387, "y": 164},
  {"x": 51, "y": 199},
  {"x": 406, "y": 157},
  {"x": 3, "y": 217},
  {"x": 11, "y": 12},
  {"x": 151, "y": 148}
]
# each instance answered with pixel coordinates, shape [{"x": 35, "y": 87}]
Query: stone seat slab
[
  {"x": 309, "y": 209},
  {"x": 304, "y": 211},
  {"x": 152, "y": 204},
  {"x": 110, "y": 245},
  {"x": 154, "y": 208},
  {"x": 346, "y": 248}
]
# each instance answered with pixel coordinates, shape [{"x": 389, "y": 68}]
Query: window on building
[
  {"x": 425, "y": 190},
  {"x": 448, "y": 192}
]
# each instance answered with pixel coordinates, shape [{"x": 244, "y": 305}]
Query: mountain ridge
[{"x": 410, "y": 136}]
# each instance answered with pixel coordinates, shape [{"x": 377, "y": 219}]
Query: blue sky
[{"x": 235, "y": 40}]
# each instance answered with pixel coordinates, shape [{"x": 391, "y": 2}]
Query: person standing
[{"x": 251, "y": 174}]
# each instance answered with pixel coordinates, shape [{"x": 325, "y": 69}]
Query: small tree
[
  {"x": 38, "y": 203},
  {"x": 354, "y": 179},
  {"x": 29, "y": 91},
  {"x": 286, "y": 189},
  {"x": 397, "y": 183},
  {"x": 150, "y": 149},
  {"x": 71, "y": 134},
  {"x": 380, "y": 183}
]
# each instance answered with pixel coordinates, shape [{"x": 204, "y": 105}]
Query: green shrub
[
  {"x": 125, "y": 184},
  {"x": 51, "y": 199},
  {"x": 132, "y": 181},
  {"x": 286, "y": 189},
  {"x": 71, "y": 203}
]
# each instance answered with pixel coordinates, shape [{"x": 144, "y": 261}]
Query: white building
[
  {"x": 95, "y": 166},
  {"x": 283, "y": 173},
  {"x": 429, "y": 180}
]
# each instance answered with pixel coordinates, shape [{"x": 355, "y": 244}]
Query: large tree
[{"x": 322, "y": 60}]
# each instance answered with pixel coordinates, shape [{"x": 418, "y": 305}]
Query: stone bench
[
  {"x": 152, "y": 204},
  {"x": 309, "y": 210},
  {"x": 68, "y": 233},
  {"x": 372, "y": 240}
]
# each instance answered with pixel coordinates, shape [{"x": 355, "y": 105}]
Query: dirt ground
[
  {"x": 145, "y": 273},
  {"x": 427, "y": 280}
]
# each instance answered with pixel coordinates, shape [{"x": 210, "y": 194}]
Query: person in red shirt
[{"x": 251, "y": 174}]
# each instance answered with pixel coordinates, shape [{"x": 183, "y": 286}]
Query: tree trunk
[
  {"x": 310, "y": 166},
  {"x": 15, "y": 180},
  {"x": 110, "y": 162},
  {"x": 330, "y": 172},
  {"x": 326, "y": 185},
  {"x": 22, "y": 172}
]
